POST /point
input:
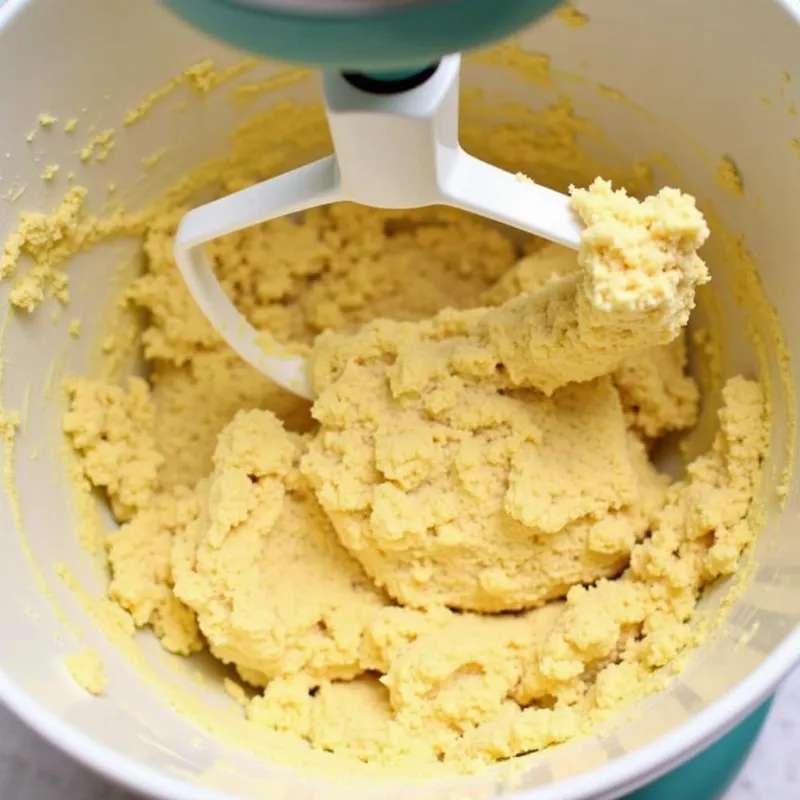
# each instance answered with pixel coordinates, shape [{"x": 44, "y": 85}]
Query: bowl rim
[{"x": 624, "y": 774}]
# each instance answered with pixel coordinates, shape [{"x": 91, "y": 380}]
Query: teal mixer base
[{"x": 708, "y": 775}]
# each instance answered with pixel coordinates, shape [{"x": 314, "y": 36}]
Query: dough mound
[
  {"x": 485, "y": 501},
  {"x": 274, "y": 592},
  {"x": 140, "y": 555},
  {"x": 477, "y": 460}
]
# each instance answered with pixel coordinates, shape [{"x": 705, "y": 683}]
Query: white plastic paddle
[{"x": 391, "y": 151}]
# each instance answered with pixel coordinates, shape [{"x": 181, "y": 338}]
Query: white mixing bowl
[{"x": 715, "y": 77}]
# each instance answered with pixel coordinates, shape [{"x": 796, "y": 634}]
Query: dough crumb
[
  {"x": 14, "y": 193},
  {"x": 49, "y": 241},
  {"x": 571, "y": 16},
  {"x": 50, "y": 172},
  {"x": 47, "y": 120},
  {"x": 728, "y": 176},
  {"x": 235, "y": 691},
  {"x": 88, "y": 671},
  {"x": 99, "y": 146},
  {"x": 154, "y": 158}
]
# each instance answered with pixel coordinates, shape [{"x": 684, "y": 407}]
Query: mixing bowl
[{"x": 690, "y": 83}]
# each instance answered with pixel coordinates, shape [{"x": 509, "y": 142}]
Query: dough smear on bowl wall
[{"x": 467, "y": 548}]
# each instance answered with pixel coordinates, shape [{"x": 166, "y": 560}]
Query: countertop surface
[{"x": 32, "y": 770}]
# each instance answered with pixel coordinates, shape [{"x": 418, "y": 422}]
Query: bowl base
[{"x": 709, "y": 775}]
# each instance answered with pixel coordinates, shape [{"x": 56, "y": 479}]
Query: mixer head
[{"x": 360, "y": 35}]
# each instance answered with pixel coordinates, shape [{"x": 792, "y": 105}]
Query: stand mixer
[
  {"x": 391, "y": 98},
  {"x": 390, "y": 81}
]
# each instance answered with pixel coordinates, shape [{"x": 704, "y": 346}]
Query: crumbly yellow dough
[
  {"x": 451, "y": 481},
  {"x": 463, "y": 552},
  {"x": 49, "y": 240},
  {"x": 121, "y": 432},
  {"x": 87, "y": 670},
  {"x": 571, "y": 16}
]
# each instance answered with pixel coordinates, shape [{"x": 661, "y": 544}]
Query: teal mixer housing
[
  {"x": 390, "y": 46},
  {"x": 395, "y": 42}
]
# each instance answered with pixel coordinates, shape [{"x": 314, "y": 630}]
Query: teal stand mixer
[{"x": 382, "y": 50}]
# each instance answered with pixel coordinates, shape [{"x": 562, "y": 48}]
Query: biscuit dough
[
  {"x": 87, "y": 670},
  {"x": 464, "y": 551}
]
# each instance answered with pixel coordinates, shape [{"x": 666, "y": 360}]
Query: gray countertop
[{"x": 31, "y": 770}]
